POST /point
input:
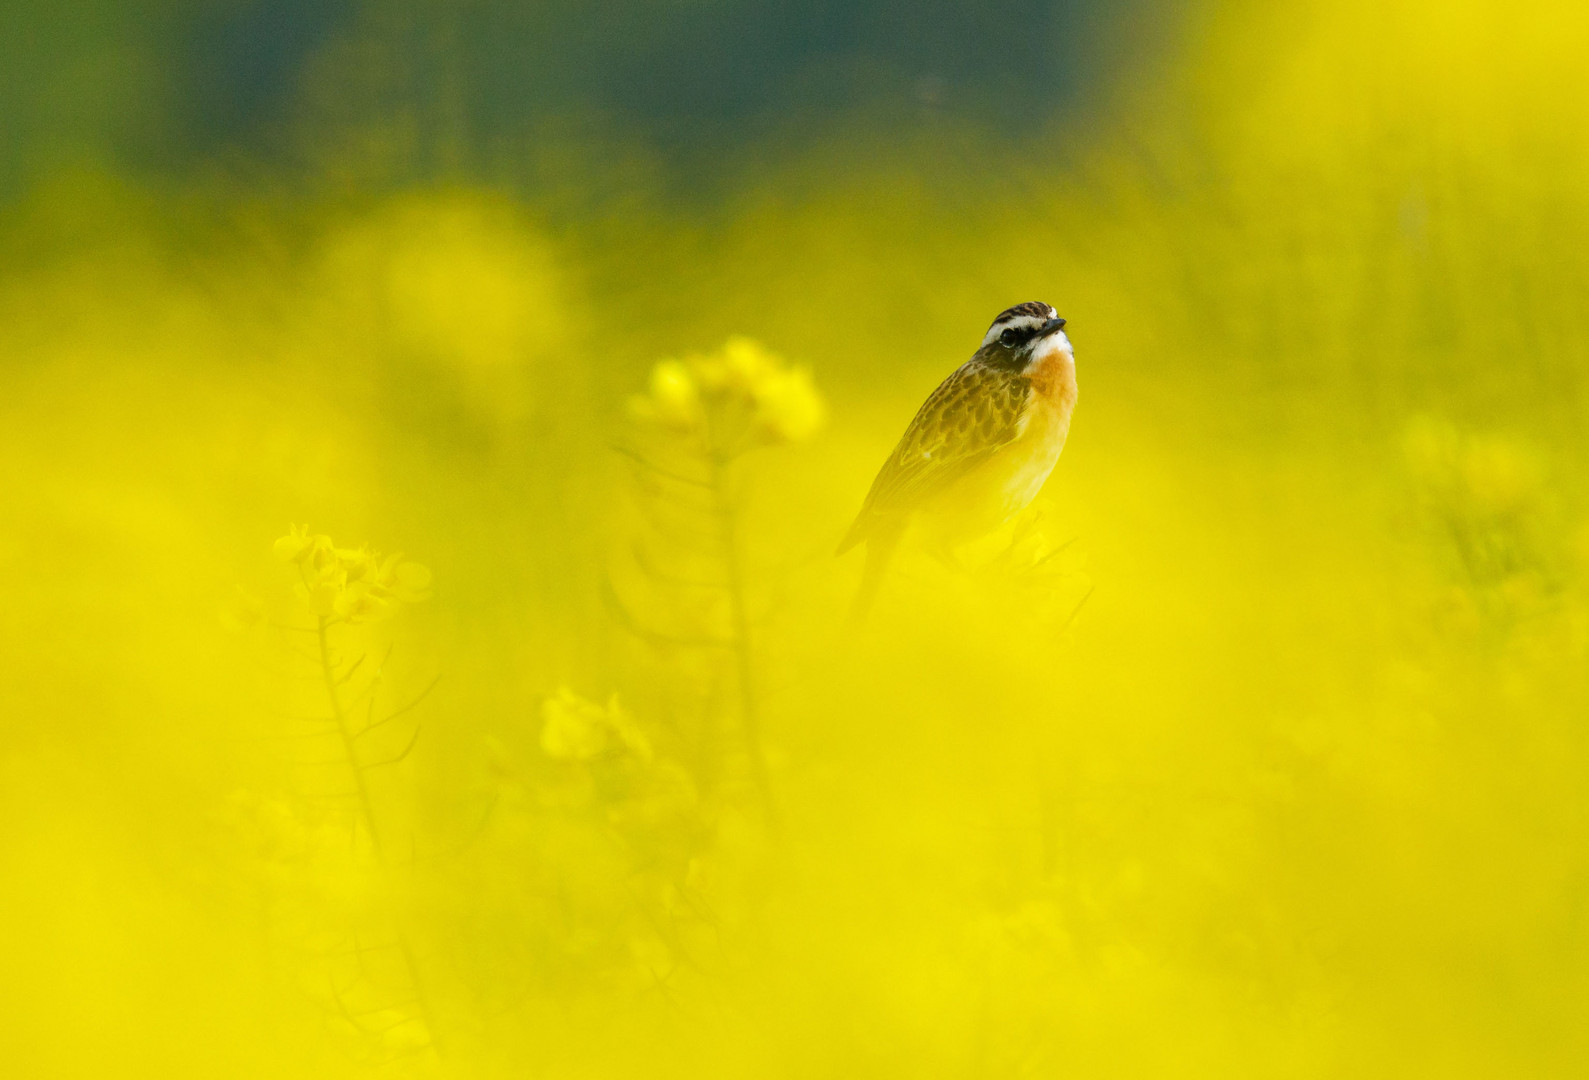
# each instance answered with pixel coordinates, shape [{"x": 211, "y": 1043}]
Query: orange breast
[{"x": 1053, "y": 378}]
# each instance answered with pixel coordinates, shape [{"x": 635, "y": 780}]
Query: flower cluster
[
  {"x": 574, "y": 729},
  {"x": 351, "y": 584},
  {"x": 1484, "y": 474},
  {"x": 740, "y": 384},
  {"x": 1485, "y": 501}
]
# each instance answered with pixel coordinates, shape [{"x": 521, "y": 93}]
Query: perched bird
[{"x": 981, "y": 447}]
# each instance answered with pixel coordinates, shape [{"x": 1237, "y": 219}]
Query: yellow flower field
[{"x": 1258, "y": 747}]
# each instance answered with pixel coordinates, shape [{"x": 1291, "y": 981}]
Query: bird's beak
[{"x": 1051, "y": 326}]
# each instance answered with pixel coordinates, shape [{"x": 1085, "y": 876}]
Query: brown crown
[{"x": 1031, "y": 307}]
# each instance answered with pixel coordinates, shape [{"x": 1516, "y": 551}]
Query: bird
[{"x": 979, "y": 450}]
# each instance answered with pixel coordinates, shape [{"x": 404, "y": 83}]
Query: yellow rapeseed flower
[
  {"x": 351, "y": 584},
  {"x": 674, "y": 401},
  {"x": 1478, "y": 474},
  {"x": 742, "y": 387},
  {"x": 576, "y": 729},
  {"x": 788, "y": 408}
]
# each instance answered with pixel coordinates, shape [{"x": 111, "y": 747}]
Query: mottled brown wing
[{"x": 967, "y": 419}]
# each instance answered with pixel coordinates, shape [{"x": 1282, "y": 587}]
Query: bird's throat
[{"x": 1052, "y": 372}]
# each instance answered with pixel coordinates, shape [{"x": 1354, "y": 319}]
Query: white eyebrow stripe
[{"x": 1017, "y": 322}]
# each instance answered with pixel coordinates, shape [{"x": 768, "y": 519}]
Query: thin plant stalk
[
  {"x": 739, "y": 624},
  {"x": 367, "y": 813}
]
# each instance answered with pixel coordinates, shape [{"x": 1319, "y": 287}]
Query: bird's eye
[{"x": 1009, "y": 338}]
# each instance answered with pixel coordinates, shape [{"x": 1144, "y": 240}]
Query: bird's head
[{"x": 1025, "y": 335}]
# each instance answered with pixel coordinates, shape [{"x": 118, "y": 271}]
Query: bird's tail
[{"x": 880, "y": 544}]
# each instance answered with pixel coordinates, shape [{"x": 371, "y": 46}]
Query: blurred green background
[{"x": 1256, "y": 749}]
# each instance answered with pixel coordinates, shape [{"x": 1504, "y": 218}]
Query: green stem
[
  {"x": 367, "y": 811},
  {"x": 739, "y": 619},
  {"x": 345, "y": 730}
]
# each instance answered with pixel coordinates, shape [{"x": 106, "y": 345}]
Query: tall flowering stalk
[
  {"x": 344, "y": 588},
  {"x": 700, "y": 416}
]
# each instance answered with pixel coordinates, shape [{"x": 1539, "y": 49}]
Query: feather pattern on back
[{"x": 974, "y": 412}]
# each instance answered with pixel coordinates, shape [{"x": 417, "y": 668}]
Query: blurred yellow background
[{"x": 1257, "y": 749}]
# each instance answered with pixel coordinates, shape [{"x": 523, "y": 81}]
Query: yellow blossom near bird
[
  {"x": 575, "y": 729},
  {"x": 740, "y": 395},
  {"x": 350, "y": 584}
]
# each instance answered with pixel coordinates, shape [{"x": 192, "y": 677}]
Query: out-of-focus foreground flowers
[
  {"x": 1301, "y": 790},
  {"x": 740, "y": 396},
  {"x": 574, "y": 729},
  {"x": 352, "y": 584}
]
